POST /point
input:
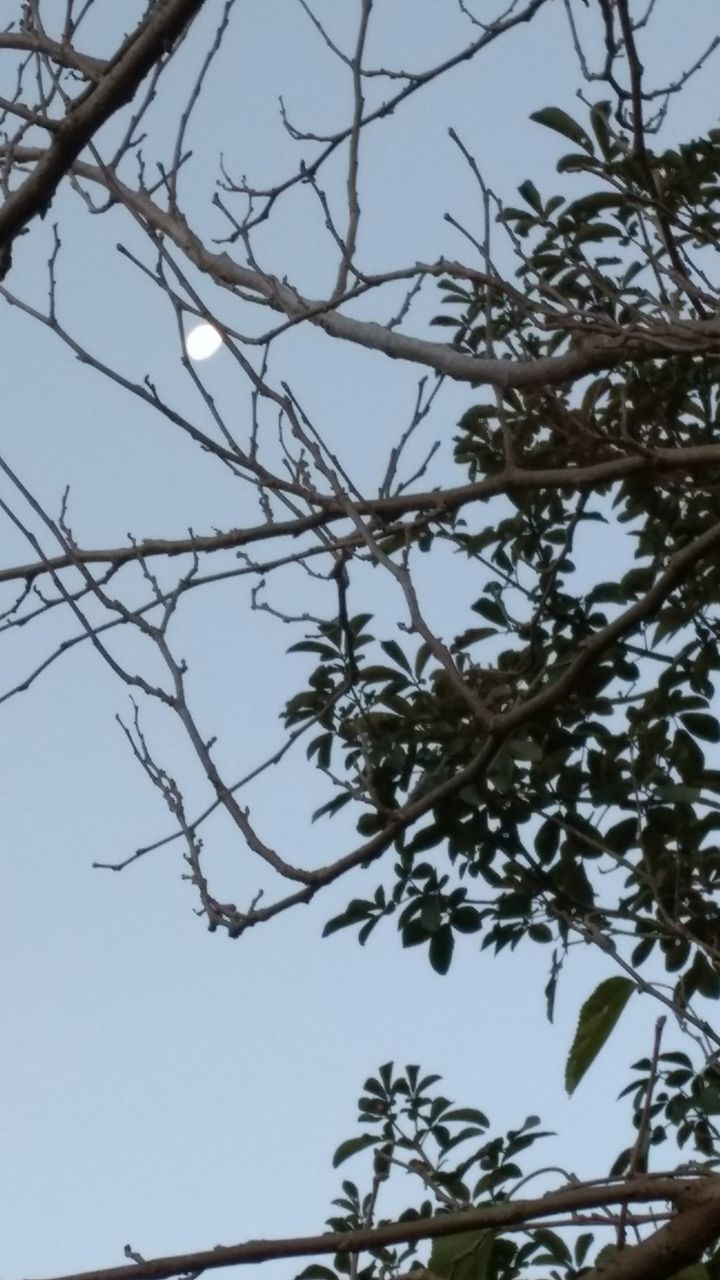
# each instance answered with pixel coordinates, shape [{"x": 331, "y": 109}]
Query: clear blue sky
[{"x": 160, "y": 1085}]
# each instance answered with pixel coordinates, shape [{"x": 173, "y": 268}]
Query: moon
[{"x": 202, "y": 341}]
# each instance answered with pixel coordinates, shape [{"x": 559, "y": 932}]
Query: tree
[{"x": 545, "y": 775}]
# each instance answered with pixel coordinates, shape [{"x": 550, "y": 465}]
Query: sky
[{"x": 159, "y": 1085}]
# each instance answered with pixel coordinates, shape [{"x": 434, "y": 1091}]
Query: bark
[
  {"x": 140, "y": 52},
  {"x": 681, "y": 1241}
]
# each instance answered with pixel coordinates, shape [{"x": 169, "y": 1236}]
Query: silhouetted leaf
[
  {"x": 559, "y": 120},
  {"x": 529, "y": 192},
  {"x": 352, "y": 1146},
  {"x": 442, "y": 944},
  {"x": 702, "y": 725}
]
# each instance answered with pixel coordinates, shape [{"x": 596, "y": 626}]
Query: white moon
[{"x": 202, "y": 341}]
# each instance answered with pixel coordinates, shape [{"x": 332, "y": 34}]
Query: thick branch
[
  {"x": 165, "y": 22},
  {"x": 699, "y": 1218},
  {"x": 648, "y": 342},
  {"x": 682, "y": 1241},
  {"x": 438, "y": 503}
]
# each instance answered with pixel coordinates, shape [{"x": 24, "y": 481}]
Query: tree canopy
[{"x": 546, "y": 774}]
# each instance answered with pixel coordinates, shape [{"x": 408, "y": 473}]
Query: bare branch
[{"x": 162, "y": 26}]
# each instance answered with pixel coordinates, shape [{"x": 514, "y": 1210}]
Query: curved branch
[
  {"x": 62, "y": 54},
  {"x": 438, "y": 504},
  {"x": 683, "y": 1239},
  {"x": 164, "y": 23},
  {"x": 639, "y": 343}
]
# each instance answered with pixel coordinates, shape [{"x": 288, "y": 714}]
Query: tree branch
[
  {"x": 682, "y": 1240},
  {"x": 164, "y": 23},
  {"x": 438, "y": 503}
]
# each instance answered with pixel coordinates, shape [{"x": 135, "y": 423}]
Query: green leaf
[
  {"x": 573, "y": 163},
  {"x": 530, "y": 193},
  {"x": 441, "y": 949},
  {"x": 467, "y": 1115},
  {"x": 431, "y": 915},
  {"x": 466, "y": 919},
  {"x": 525, "y": 749},
  {"x": 702, "y": 725},
  {"x": 462, "y": 1257},
  {"x": 422, "y": 658},
  {"x": 540, "y": 933},
  {"x": 489, "y": 609},
  {"x": 473, "y": 635},
  {"x": 376, "y": 673},
  {"x": 591, "y": 204},
  {"x": 599, "y": 116},
  {"x": 678, "y": 793},
  {"x": 356, "y": 911},
  {"x": 559, "y": 120},
  {"x": 393, "y": 650},
  {"x": 582, "y": 1244},
  {"x": 547, "y": 840},
  {"x": 426, "y": 838},
  {"x": 352, "y": 1146},
  {"x": 331, "y": 807},
  {"x": 598, "y": 1016},
  {"x": 313, "y": 646}
]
